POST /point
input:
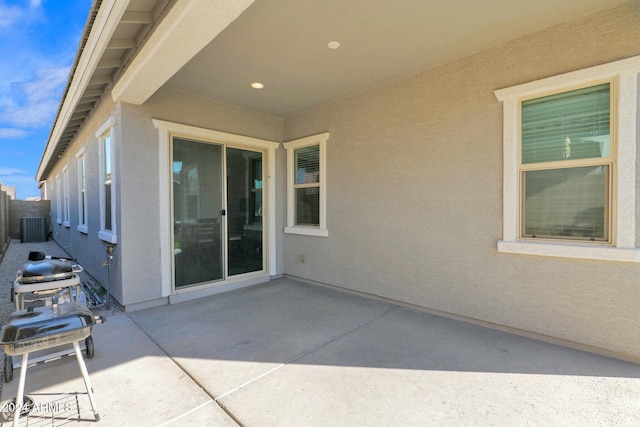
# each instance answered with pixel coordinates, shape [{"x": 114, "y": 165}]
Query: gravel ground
[{"x": 17, "y": 254}]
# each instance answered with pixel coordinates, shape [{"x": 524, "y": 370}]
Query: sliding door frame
[{"x": 169, "y": 130}]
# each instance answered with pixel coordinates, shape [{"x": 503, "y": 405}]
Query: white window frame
[
  {"x": 623, "y": 209},
  {"x": 291, "y": 147},
  {"x": 108, "y": 129},
  {"x": 58, "y": 201},
  {"x": 65, "y": 197},
  {"x": 82, "y": 188}
]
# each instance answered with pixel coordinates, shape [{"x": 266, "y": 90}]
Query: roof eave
[{"x": 102, "y": 21}]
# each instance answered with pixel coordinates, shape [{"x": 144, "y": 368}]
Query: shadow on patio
[{"x": 292, "y": 354}]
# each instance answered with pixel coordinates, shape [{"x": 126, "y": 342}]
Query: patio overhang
[
  {"x": 187, "y": 28},
  {"x": 216, "y": 49},
  {"x": 112, "y": 32}
]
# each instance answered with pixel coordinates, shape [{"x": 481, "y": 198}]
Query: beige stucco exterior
[
  {"x": 414, "y": 194},
  {"x": 140, "y": 168}
]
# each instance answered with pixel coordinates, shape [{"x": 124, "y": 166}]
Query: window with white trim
[
  {"x": 65, "y": 194},
  {"x": 58, "y": 201},
  {"x": 107, "y": 195},
  {"x": 82, "y": 196},
  {"x": 569, "y": 149},
  {"x": 306, "y": 186},
  {"x": 566, "y": 164}
]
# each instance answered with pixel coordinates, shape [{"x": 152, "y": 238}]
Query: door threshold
[{"x": 231, "y": 284}]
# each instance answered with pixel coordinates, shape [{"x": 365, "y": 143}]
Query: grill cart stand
[
  {"x": 50, "y": 280},
  {"x": 23, "y": 376},
  {"x": 41, "y": 328}
]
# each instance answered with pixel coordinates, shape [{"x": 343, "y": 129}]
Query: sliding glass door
[
  {"x": 244, "y": 219},
  {"x": 217, "y": 212},
  {"x": 197, "y": 212}
]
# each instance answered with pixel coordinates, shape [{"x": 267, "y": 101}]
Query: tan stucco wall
[
  {"x": 140, "y": 171},
  {"x": 135, "y": 273},
  {"x": 414, "y": 193},
  {"x": 89, "y": 249},
  {"x": 414, "y": 204}
]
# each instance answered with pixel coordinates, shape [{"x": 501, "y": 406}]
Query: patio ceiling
[
  {"x": 283, "y": 44},
  {"x": 216, "y": 49}
]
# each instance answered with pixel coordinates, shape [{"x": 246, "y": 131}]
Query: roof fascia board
[
  {"x": 102, "y": 29},
  {"x": 188, "y": 27}
]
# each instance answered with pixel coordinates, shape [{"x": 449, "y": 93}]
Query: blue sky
[{"x": 38, "y": 42}]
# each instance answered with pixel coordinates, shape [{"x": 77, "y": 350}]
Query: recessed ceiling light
[
  {"x": 334, "y": 45},
  {"x": 257, "y": 85}
]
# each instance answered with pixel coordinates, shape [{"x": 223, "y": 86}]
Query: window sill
[
  {"x": 108, "y": 236},
  {"x": 568, "y": 250},
  {"x": 307, "y": 231},
  {"x": 83, "y": 229}
]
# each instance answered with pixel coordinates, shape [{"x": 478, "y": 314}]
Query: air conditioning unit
[{"x": 33, "y": 229}]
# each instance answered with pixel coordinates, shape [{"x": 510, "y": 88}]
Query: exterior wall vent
[{"x": 33, "y": 229}]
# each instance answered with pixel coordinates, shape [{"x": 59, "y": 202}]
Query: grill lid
[
  {"x": 46, "y": 270},
  {"x": 33, "y": 324}
]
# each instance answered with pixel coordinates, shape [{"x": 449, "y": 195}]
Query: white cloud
[
  {"x": 9, "y": 15},
  {"x": 35, "y": 102},
  {"x": 4, "y": 171},
  {"x": 38, "y": 41},
  {"x": 12, "y": 16},
  {"x": 9, "y": 133},
  {"x": 31, "y": 83}
]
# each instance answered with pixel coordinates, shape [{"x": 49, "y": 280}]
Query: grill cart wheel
[
  {"x": 12, "y": 294},
  {"x": 89, "y": 347},
  {"x": 8, "y": 368}
]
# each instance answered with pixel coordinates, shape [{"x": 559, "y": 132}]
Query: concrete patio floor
[{"x": 289, "y": 353}]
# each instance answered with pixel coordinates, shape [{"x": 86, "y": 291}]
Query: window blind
[
  {"x": 570, "y": 200},
  {"x": 307, "y": 185},
  {"x": 567, "y": 126},
  {"x": 307, "y": 165}
]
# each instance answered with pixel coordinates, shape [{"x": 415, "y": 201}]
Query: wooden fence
[{"x": 4, "y": 222}]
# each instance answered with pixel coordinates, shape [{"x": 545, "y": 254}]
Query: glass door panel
[
  {"x": 244, "y": 207},
  {"x": 197, "y": 212}
]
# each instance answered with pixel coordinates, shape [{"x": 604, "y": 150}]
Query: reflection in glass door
[
  {"x": 212, "y": 237},
  {"x": 197, "y": 212},
  {"x": 244, "y": 208}
]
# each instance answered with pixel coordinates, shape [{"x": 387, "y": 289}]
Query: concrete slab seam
[
  {"x": 179, "y": 366},
  {"x": 197, "y": 408}
]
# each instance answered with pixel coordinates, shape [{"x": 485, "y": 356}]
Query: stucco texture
[
  {"x": 140, "y": 162},
  {"x": 414, "y": 195},
  {"x": 88, "y": 248}
]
